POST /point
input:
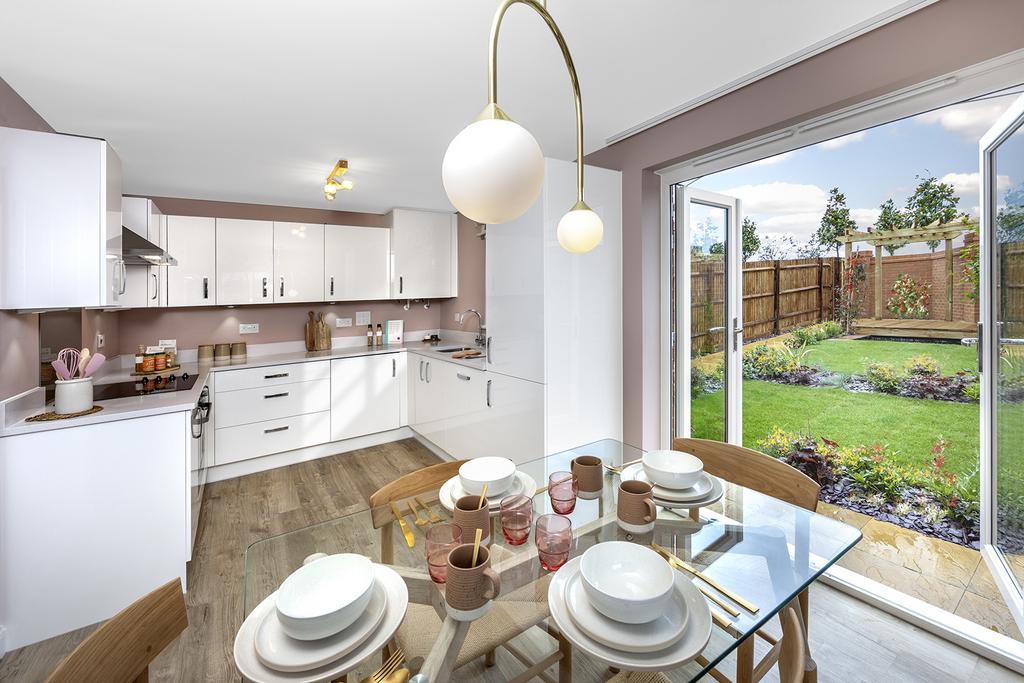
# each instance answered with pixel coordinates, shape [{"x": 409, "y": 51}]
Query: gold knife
[
  {"x": 733, "y": 612},
  {"x": 749, "y": 606},
  {"x": 409, "y": 540},
  {"x": 430, "y": 513}
]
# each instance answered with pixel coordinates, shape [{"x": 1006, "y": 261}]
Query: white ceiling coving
[{"x": 254, "y": 102}]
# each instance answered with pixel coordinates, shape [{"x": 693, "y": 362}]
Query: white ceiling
[{"x": 254, "y": 102}]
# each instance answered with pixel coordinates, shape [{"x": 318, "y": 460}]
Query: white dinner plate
[
  {"x": 695, "y": 636},
  {"x": 699, "y": 490},
  {"x": 279, "y": 651},
  {"x": 252, "y": 669},
  {"x": 650, "y": 637},
  {"x": 717, "y": 491},
  {"x": 451, "y": 491}
]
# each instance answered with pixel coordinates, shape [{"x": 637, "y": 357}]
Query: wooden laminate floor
[{"x": 851, "y": 641}]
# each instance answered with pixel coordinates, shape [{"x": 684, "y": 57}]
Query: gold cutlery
[
  {"x": 409, "y": 540},
  {"x": 434, "y": 518},
  {"x": 749, "y": 606},
  {"x": 733, "y": 612},
  {"x": 389, "y": 667},
  {"x": 419, "y": 520},
  {"x": 617, "y": 469}
]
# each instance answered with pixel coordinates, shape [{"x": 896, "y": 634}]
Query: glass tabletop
[{"x": 759, "y": 548}]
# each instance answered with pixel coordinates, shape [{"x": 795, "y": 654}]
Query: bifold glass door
[
  {"x": 1002, "y": 353},
  {"x": 708, "y": 316}
]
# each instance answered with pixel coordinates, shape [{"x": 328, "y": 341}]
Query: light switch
[
  {"x": 248, "y": 328},
  {"x": 362, "y": 318},
  {"x": 343, "y": 322}
]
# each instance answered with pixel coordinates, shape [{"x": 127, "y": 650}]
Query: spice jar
[
  {"x": 149, "y": 362},
  {"x": 160, "y": 361},
  {"x": 140, "y": 356}
]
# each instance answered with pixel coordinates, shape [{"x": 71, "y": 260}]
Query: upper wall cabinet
[
  {"x": 245, "y": 262},
  {"x": 146, "y": 286},
  {"x": 424, "y": 255},
  {"x": 60, "y": 221},
  {"x": 298, "y": 262},
  {"x": 356, "y": 263},
  {"x": 192, "y": 241}
]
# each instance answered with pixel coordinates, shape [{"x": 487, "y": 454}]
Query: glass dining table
[{"x": 756, "y": 546}]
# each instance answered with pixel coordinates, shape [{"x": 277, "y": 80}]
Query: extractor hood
[{"x": 136, "y": 250}]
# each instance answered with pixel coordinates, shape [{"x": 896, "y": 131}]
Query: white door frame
[{"x": 989, "y": 344}]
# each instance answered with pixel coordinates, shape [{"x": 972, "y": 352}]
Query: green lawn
[
  {"x": 907, "y": 425},
  {"x": 849, "y": 356}
]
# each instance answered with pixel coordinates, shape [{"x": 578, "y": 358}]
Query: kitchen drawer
[
  {"x": 246, "y": 406},
  {"x": 273, "y": 436},
  {"x": 272, "y": 375}
]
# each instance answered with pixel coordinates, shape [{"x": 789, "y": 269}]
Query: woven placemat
[{"x": 47, "y": 417}]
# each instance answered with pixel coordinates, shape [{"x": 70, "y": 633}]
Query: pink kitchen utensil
[
  {"x": 70, "y": 357},
  {"x": 61, "y": 369},
  {"x": 83, "y": 361},
  {"x": 95, "y": 362}
]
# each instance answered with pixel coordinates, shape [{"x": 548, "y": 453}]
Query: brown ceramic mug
[
  {"x": 636, "y": 503},
  {"x": 470, "y": 517},
  {"x": 469, "y": 587},
  {"x": 589, "y": 473}
]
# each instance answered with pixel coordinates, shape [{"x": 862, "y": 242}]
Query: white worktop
[{"x": 15, "y": 410}]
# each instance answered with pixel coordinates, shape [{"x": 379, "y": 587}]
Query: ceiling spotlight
[{"x": 335, "y": 180}]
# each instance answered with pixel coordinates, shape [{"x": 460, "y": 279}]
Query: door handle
[
  {"x": 332, "y": 285},
  {"x": 206, "y": 288},
  {"x": 428, "y": 372},
  {"x": 264, "y": 288},
  {"x": 400, "y": 284},
  {"x": 487, "y": 351},
  {"x": 282, "y": 285},
  {"x": 737, "y": 334},
  {"x": 489, "y": 392},
  {"x": 275, "y": 429},
  {"x": 156, "y": 287},
  {"x": 394, "y": 368},
  {"x": 277, "y": 376},
  {"x": 124, "y": 277},
  {"x": 281, "y": 395},
  {"x": 421, "y": 371},
  {"x": 462, "y": 377}
]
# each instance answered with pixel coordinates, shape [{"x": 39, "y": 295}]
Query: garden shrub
[
  {"x": 973, "y": 391},
  {"x": 909, "y": 298},
  {"x": 812, "y": 334},
  {"x": 883, "y": 377},
  {"x": 768, "y": 362},
  {"x": 832, "y": 328},
  {"x": 922, "y": 364}
]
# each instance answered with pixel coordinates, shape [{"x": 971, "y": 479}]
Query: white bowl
[
  {"x": 626, "y": 582},
  {"x": 497, "y": 473},
  {"x": 672, "y": 469},
  {"x": 325, "y": 597}
]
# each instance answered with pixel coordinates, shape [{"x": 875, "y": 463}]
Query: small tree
[
  {"x": 932, "y": 201},
  {"x": 1010, "y": 219},
  {"x": 776, "y": 247},
  {"x": 891, "y": 219},
  {"x": 751, "y": 242},
  {"x": 835, "y": 222}
]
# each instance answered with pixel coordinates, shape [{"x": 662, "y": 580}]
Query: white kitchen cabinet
[
  {"x": 365, "y": 395},
  {"x": 192, "y": 241},
  {"x": 245, "y": 262},
  {"x": 466, "y": 410},
  {"x": 271, "y": 436},
  {"x": 298, "y": 262},
  {"x": 428, "y": 409},
  {"x": 424, "y": 254},
  {"x": 60, "y": 221},
  {"x": 356, "y": 263},
  {"x": 268, "y": 403},
  {"x": 512, "y": 424},
  {"x": 272, "y": 375},
  {"x": 146, "y": 286}
]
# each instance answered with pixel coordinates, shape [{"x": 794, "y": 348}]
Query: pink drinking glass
[
  {"x": 554, "y": 540},
  {"x": 441, "y": 539},
  {"x": 516, "y": 517},
  {"x": 562, "y": 489}
]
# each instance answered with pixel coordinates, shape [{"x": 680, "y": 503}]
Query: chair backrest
[
  {"x": 794, "y": 647},
  {"x": 753, "y": 470},
  {"x": 123, "y": 647},
  {"x": 406, "y": 486}
]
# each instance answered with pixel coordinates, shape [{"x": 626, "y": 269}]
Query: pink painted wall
[
  {"x": 105, "y": 322},
  {"x": 472, "y": 263},
  {"x": 19, "y": 334},
  {"x": 881, "y": 61}
]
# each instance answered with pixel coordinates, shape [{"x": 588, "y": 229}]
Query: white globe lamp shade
[
  {"x": 580, "y": 230},
  {"x": 493, "y": 171}
]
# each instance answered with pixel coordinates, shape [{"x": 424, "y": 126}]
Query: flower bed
[
  {"x": 930, "y": 500},
  {"x": 920, "y": 378}
]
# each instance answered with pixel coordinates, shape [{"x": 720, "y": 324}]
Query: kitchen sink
[{"x": 452, "y": 349}]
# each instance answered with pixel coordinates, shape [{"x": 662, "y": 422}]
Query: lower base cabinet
[
  {"x": 272, "y": 436},
  {"x": 514, "y": 426},
  {"x": 366, "y": 394}
]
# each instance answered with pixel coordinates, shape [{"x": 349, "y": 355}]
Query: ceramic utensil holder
[
  {"x": 470, "y": 517},
  {"x": 589, "y": 472},
  {"x": 469, "y": 587},
  {"x": 636, "y": 510},
  {"x": 73, "y": 396}
]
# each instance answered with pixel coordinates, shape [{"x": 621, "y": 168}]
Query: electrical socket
[
  {"x": 100, "y": 340},
  {"x": 343, "y": 322},
  {"x": 458, "y": 317},
  {"x": 248, "y": 328},
  {"x": 363, "y": 318}
]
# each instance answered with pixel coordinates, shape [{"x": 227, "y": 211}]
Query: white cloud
[
  {"x": 780, "y": 198},
  {"x": 771, "y": 161},
  {"x": 845, "y": 140},
  {"x": 970, "y": 119},
  {"x": 967, "y": 185},
  {"x": 864, "y": 217}
]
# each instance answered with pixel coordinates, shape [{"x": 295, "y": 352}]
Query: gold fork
[
  {"x": 415, "y": 513},
  {"x": 387, "y": 668},
  {"x": 617, "y": 469},
  {"x": 434, "y": 518}
]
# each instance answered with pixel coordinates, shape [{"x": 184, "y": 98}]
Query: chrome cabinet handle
[
  {"x": 461, "y": 376},
  {"x": 421, "y": 370},
  {"x": 489, "y": 392},
  {"x": 332, "y": 285},
  {"x": 428, "y": 372},
  {"x": 487, "y": 351},
  {"x": 394, "y": 368},
  {"x": 124, "y": 277},
  {"x": 275, "y": 429},
  {"x": 206, "y": 288},
  {"x": 277, "y": 376},
  {"x": 281, "y": 395},
  {"x": 282, "y": 285},
  {"x": 400, "y": 284},
  {"x": 264, "y": 288},
  {"x": 156, "y": 287}
]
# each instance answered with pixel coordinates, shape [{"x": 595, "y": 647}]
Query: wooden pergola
[{"x": 945, "y": 232}]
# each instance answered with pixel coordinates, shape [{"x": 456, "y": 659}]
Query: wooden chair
[
  {"x": 422, "y": 625},
  {"x": 772, "y": 477},
  {"x": 121, "y": 649},
  {"x": 794, "y": 647}
]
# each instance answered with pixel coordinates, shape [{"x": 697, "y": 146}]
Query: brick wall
[{"x": 923, "y": 268}]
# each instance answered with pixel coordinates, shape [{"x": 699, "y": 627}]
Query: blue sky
[{"x": 786, "y": 194}]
